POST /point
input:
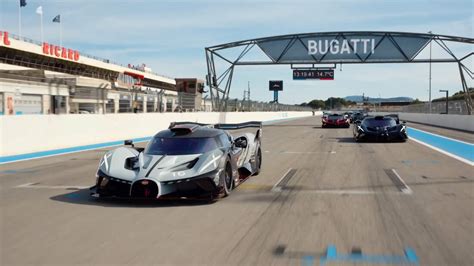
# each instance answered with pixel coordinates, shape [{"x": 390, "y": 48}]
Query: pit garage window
[
  {"x": 150, "y": 104},
  {"x": 28, "y": 104},
  {"x": 110, "y": 106},
  {"x": 125, "y": 103}
]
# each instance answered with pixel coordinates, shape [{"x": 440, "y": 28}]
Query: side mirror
[
  {"x": 240, "y": 142},
  {"x": 358, "y": 122},
  {"x": 404, "y": 122},
  {"x": 128, "y": 142}
]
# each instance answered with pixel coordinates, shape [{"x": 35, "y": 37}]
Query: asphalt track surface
[{"x": 317, "y": 188}]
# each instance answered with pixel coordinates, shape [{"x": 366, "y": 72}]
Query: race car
[
  {"x": 379, "y": 128},
  {"x": 186, "y": 160},
  {"x": 335, "y": 120},
  {"x": 357, "y": 116}
]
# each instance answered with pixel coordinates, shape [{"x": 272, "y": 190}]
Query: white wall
[
  {"x": 32, "y": 133},
  {"x": 463, "y": 122}
]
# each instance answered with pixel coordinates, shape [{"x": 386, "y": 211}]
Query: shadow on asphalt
[
  {"x": 368, "y": 141},
  {"x": 83, "y": 197},
  {"x": 281, "y": 251}
]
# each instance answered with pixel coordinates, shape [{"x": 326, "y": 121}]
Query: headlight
[
  {"x": 359, "y": 128},
  {"x": 132, "y": 163},
  {"x": 403, "y": 129}
]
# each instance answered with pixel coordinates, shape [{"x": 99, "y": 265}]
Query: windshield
[
  {"x": 336, "y": 117},
  {"x": 372, "y": 122},
  {"x": 180, "y": 146}
]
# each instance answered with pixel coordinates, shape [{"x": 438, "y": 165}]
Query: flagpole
[
  {"x": 19, "y": 20},
  {"x": 41, "y": 25},
  {"x": 60, "y": 34}
]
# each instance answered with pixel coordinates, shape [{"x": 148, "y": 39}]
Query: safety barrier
[{"x": 43, "y": 134}]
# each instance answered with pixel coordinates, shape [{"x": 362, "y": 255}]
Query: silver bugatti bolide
[{"x": 186, "y": 160}]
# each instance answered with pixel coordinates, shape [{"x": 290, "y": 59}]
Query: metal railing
[
  {"x": 454, "y": 107},
  {"x": 236, "y": 105}
]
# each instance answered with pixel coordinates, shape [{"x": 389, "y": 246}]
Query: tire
[
  {"x": 258, "y": 162},
  {"x": 226, "y": 182}
]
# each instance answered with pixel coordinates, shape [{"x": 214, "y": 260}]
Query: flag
[
  {"x": 57, "y": 19},
  {"x": 22, "y": 3},
  {"x": 39, "y": 10}
]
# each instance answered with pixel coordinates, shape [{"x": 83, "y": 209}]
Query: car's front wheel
[
  {"x": 226, "y": 183},
  {"x": 258, "y": 162}
]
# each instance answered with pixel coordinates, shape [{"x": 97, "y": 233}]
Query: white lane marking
[
  {"x": 32, "y": 185},
  {"x": 406, "y": 189},
  {"x": 275, "y": 187},
  {"x": 351, "y": 192},
  {"x": 444, "y": 152},
  {"x": 441, "y": 136}
]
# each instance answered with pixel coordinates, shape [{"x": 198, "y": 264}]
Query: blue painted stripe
[
  {"x": 458, "y": 148},
  {"x": 12, "y": 158},
  {"x": 35, "y": 155},
  {"x": 308, "y": 261},
  {"x": 409, "y": 258}
]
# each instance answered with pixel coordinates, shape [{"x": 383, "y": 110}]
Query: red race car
[{"x": 335, "y": 120}]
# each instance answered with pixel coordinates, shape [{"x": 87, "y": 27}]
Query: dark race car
[
  {"x": 335, "y": 120},
  {"x": 358, "y": 116},
  {"x": 379, "y": 128}
]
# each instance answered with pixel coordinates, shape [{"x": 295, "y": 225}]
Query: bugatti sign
[{"x": 343, "y": 48}]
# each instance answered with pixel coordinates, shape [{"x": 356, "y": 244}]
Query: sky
[{"x": 170, "y": 36}]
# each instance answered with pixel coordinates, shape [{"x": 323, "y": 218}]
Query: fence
[
  {"x": 236, "y": 105},
  {"x": 454, "y": 107}
]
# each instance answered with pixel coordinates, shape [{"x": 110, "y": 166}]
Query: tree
[{"x": 317, "y": 104}]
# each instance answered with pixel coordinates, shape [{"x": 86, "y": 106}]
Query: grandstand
[{"x": 42, "y": 78}]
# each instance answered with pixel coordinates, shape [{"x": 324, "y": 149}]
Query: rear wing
[
  {"x": 254, "y": 124},
  {"x": 223, "y": 126},
  {"x": 250, "y": 124}
]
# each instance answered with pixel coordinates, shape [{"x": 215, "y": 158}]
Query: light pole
[
  {"x": 447, "y": 100},
  {"x": 430, "y": 77}
]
